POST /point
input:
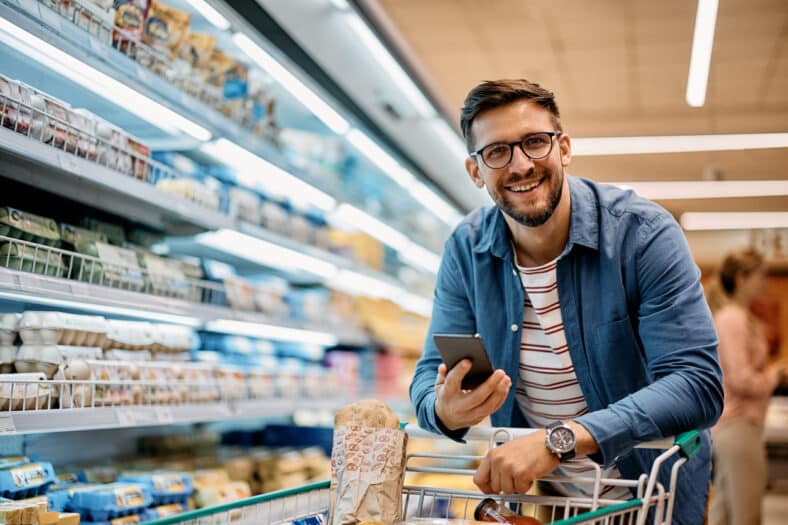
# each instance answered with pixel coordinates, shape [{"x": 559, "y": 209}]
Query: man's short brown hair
[{"x": 494, "y": 93}]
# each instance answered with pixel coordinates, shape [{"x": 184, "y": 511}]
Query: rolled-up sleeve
[
  {"x": 451, "y": 313},
  {"x": 679, "y": 342}
]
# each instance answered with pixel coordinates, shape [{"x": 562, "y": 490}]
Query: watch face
[{"x": 562, "y": 440}]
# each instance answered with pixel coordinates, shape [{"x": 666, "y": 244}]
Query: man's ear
[
  {"x": 565, "y": 143},
  {"x": 473, "y": 172}
]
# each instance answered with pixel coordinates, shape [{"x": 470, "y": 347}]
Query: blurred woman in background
[{"x": 739, "y": 452}]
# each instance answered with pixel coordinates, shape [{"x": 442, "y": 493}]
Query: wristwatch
[{"x": 561, "y": 440}]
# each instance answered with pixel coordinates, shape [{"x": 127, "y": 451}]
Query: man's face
[{"x": 526, "y": 190}]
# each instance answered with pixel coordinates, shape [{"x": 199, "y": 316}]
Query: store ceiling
[{"x": 618, "y": 69}]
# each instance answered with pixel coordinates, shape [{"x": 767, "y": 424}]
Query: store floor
[{"x": 775, "y": 509}]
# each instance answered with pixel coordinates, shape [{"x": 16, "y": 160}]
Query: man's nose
[{"x": 520, "y": 163}]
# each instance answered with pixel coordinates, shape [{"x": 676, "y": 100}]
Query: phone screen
[{"x": 456, "y": 347}]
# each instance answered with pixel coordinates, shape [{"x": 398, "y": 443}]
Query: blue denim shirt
[{"x": 640, "y": 333}]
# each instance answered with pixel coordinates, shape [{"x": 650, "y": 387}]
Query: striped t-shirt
[{"x": 547, "y": 387}]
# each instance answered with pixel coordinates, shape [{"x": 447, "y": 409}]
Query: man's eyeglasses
[{"x": 535, "y": 146}]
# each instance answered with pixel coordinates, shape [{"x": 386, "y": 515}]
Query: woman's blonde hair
[{"x": 723, "y": 286}]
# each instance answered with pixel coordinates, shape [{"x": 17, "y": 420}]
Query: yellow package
[{"x": 165, "y": 27}]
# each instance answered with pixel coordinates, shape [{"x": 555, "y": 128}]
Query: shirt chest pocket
[{"x": 617, "y": 359}]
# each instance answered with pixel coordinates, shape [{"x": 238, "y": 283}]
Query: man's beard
[{"x": 536, "y": 218}]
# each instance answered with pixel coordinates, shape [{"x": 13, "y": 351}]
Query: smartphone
[{"x": 456, "y": 347}]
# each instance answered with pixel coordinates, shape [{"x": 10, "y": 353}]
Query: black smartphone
[{"x": 456, "y": 347}]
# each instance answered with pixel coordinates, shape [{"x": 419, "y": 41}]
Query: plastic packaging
[{"x": 25, "y": 481}]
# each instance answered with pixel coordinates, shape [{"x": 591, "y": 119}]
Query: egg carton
[
  {"x": 111, "y": 501},
  {"x": 165, "y": 488},
  {"x": 58, "y": 328},
  {"x": 7, "y": 357},
  {"x": 59, "y": 496},
  {"x": 163, "y": 511},
  {"x": 26, "y": 392},
  {"x": 26, "y": 481},
  {"x": 172, "y": 338},
  {"x": 129, "y": 335},
  {"x": 9, "y": 325},
  {"x": 45, "y": 359}
]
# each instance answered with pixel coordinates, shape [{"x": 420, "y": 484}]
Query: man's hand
[
  {"x": 512, "y": 468},
  {"x": 457, "y": 408}
]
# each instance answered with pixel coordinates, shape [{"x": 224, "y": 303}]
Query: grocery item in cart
[
  {"x": 28, "y": 227},
  {"x": 491, "y": 511},
  {"x": 367, "y": 464}
]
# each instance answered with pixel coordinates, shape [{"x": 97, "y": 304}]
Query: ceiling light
[
  {"x": 293, "y": 85},
  {"x": 703, "y": 189},
  {"x": 210, "y": 14},
  {"x": 97, "y": 82},
  {"x": 265, "y": 253},
  {"x": 595, "y": 146},
  {"x": 391, "y": 66},
  {"x": 733, "y": 220},
  {"x": 410, "y": 252},
  {"x": 700, "y": 60},
  {"x": 253, "y": 172},
  {"x": 35, "y": 298},
  {"x": 277, "y": 333}
]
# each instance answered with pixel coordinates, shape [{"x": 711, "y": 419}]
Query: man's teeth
[{"x": 527, "y": 187}]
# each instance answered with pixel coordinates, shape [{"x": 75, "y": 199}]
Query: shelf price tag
[{"x": 7, "y": 424}]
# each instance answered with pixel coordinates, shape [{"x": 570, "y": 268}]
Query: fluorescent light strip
[
  {"x": 411, "y": 252},
  {"x": 437, "y": 205},
  {"x": 692, "y": 221},
  {"x": 97, "y": 82},
  {"x": 210, "y": 14},
  {"x": 697, "y": 189},
  {"x": 450, "y": 139},
  {"x": 265, "y": 331},
  {"x": 102, "y": 308},
  {"x": 356, "y": 283},
  {"x": 700, "y": 60},
  {"x": 380, "y": 158},
  {"x": 265, "y": 253},
  {"x": 252, "y": 171},
  {"x": 391, "y": 66},
  {"x": 595, "y": 146},
  {"x": 298, "y": 89}
]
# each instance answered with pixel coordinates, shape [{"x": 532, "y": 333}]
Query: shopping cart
[{"x": 300, "y": 505}]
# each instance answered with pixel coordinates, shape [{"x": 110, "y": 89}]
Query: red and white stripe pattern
[{"x": 547, "y": 387}]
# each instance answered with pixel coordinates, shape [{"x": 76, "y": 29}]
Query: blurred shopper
[
  {"x": 739, "y": 452},
  {"x": 590, "y": 306}
]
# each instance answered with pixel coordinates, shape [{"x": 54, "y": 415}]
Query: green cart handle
[{"x": 689, "y": 443}]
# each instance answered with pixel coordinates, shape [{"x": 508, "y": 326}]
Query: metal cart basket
[{"x": 298, "y": 506}]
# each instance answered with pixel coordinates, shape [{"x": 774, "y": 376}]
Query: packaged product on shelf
[
  {"x": 38, "y": 358},
  {"x": 129, "y": 335},
  {"x": 118, "y": 267},
  {"x": 231, "y": 381},
  {"x": 240, "y": 293},
  {"x": 9, "y": 326},
  {"x": 114, "y": 233},
  {"x": 18, "y": 513},
  {"x": 244, "y": 205},
  {"x": 212, "y": 495},
  {"x": 273, "y": 214},
  {"x": 111, "y": 501},
  {"x": 31, "y": 259},
  {"x": 130, "y": 18},
  {"x": 270, "y": 294},
  {"x": 64, "y": 7},
  {"x": 28, "y": 227},
  {"x": 7, "y": 357},
  {"x": 165, "y": 27},
  {"x": 97, "y": 17},
  {"x": 289, "y": 378},
  {"x": 196, "y": 49},
  {"x": 140, "y": 156},
  {"x": 200, "y": 383},
  {"x": 25, "y": 392},
  {"x": 217, "y": 66},
  {"x": 25, "y": 481},
  {"x": 172, "y": 338},
  {"x": 308, "y": 305},
  {"x": 129, "y": 356},
  {"x": 15, "y": 105},
  {"x": 164, "y": 276},
  {"x": 164, "y": 487},
  {"x": 77, "y": 394},
  {"x": 62, "y": 329},
  {"x": 112, "y": 373}
]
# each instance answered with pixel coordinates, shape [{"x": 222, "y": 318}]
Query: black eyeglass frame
[{"x": 552, "y": 134}]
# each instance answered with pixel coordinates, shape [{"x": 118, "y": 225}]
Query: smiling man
[{"x": 590, "y": 306}]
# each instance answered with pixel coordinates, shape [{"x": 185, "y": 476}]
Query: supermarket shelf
[
  {"x": 37, "y": 164},
  {"x": 48, "y": 25},
  {"x": 65, "y": 420},
  {"x": 57, "y": 292}
]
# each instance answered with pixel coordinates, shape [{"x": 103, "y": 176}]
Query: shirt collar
[{"x": 583, "y": 223}]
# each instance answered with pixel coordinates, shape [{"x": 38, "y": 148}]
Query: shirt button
[{"x": 515, "y": 327}]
